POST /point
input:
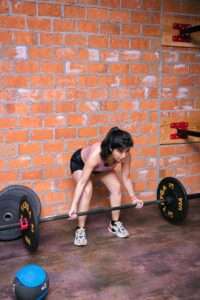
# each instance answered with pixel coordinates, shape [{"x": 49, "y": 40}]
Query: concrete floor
[{"x": 159, "y": 261}]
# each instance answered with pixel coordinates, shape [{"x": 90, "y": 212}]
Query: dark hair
[{"x": 115, "y": 139}]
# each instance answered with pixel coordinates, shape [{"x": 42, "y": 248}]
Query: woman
[{"x": 101, "y": 159}]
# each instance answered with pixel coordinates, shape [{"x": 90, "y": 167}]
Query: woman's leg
[
  {"x": 86, "y": 196},
  {"x": 112, "y": 182}
]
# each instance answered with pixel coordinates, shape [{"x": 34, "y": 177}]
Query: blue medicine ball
[{"x": 31, "y": 283}]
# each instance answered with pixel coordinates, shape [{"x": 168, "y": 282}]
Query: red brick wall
[{"x": 70, "y": 70}]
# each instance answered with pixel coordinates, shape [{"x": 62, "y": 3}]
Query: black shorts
[{"x": 76, "y": 162}]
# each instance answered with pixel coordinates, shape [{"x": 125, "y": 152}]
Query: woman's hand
[
  {"x": 73, "y": 212},
  {"x": 139, "y": 203}
]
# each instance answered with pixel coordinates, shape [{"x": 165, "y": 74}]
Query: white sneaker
[
  {"x": 80, "y": 238},
  {"x": 118, "y": 229}
]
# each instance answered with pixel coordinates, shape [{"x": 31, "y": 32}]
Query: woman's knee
[{"x": 115, "y": 190}]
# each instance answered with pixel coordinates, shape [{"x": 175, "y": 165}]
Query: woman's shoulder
[{"x": 92, "y": 151}]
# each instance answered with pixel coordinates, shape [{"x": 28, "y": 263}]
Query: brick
[
  {"x": 25, "y": 38},
  {"x": 66, "y": 184},
  {"x": 8, "y": 176},
  {"x": 4, "y": 7},
  {"x": 30, "y": 122},
  {"x": 17, "y": 136},
  {"x": 74, "y": 12},
  {"x": 92, "y": 2},
  {"x": 63, "y": 26},
  {"x": 50, "y": 10},
  {"x": 130, "y": 29},
  {"x": 131, "y": 4},
  {"x": 140, "y": 17},
  {"x": 152, "y": 4},
  {"x": 42, "y": 81},
  {"x": 55, "y": 197},
  {"x": 65, "y": 133},
  {"x": 52, "y": 94},
  {"x": 139, "y": 68},
  {"x": 126, "y": 105},
  {"x": 17, "y": 108},
  {"x": 51, "y": 67},
  {"x": 8, "y": 150},
  {"x": 151, "y": 30},
  {"x": 191, "y": 7},
  {"x": 96, "y": 68},
  {"x": 65, "y": 80},
  {"x": 20, "y": 162},
  {"x": 194, "y": 68},
  {"x": 119, "y": 16},
  {"x": 169, "y": 80},
  {"x": 139, "y": 116},
  {"x": 32, "y": 175},
  {"x": 87, "y": 132},
  {"x": 54, "y": 121},
  {"x": 86, "y": 26},
  {"x": 110, "y": 106},
  {"x": 14, "y": 82},
  {"x": 29, "y": 148},
  {"x": 149, "y": 105},
  {"x": 57, "y": 146},
  {"x": 107, "y": 81},
  {"x": 12, "y": 22},
  {"x": 108, "y": 28},
  {"x": 6, "y": 66},
  {"x": 167, "y": 150},
  {"x": 24, "y": 8},
  {"x": 41, "y": 53},
  {"x": 66, "y": 53},
  {"x": 42, "y": 134},
  {"x": 76, "y": 120},
  {"x": 172, "y": 6},
  {"x": 140, "y": 43},
  {"x": 75, "y": 144},
  {"x": 51, "y": 39},
  {"x": 6, "y": 37},
  {"x": 41, "y": 160},
  {"x": 97, "y": 94},
  {"x": 119, "y": 43},
  {"x": 39, "y": 24},
  {"x": 95, "y": 119},
  {"x": 110, "y": 3},
  {"x": 98, "y": 41},
  {"x": 151, "y": 56},
  {"x": 65, "y": 106},
  {"x": 42, "y": 186},
  {"x": 97, "y": 14},
  {"x": 130, "y": 80},
  {"x": 119, "y": 68},
  {"x": 75, "y": 40},
  {"x": 27, "y": 67},
  {"x": 86, "y": 81}
]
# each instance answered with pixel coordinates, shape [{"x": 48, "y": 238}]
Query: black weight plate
[
  {"x": 173, "y": 200},
  {"x": 9, "y": 214},
  {"x": 10, "y": 198},
  {"x": 30, "y": 235},
  {"x": 19, "y": 190}
]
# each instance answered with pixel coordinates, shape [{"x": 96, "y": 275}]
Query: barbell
[{"x": 172, "y": 200}]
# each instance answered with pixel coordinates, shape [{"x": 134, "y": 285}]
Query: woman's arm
[
  {"x": 126, "y": 165},
  {"x": 87, "y": 170}
]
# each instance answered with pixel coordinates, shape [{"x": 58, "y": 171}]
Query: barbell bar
[
  {"x": 23, "y": 224},
  {"x": 172, "y": 200}
]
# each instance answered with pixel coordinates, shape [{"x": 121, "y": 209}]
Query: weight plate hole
[{"x": 8, "y": 216}]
